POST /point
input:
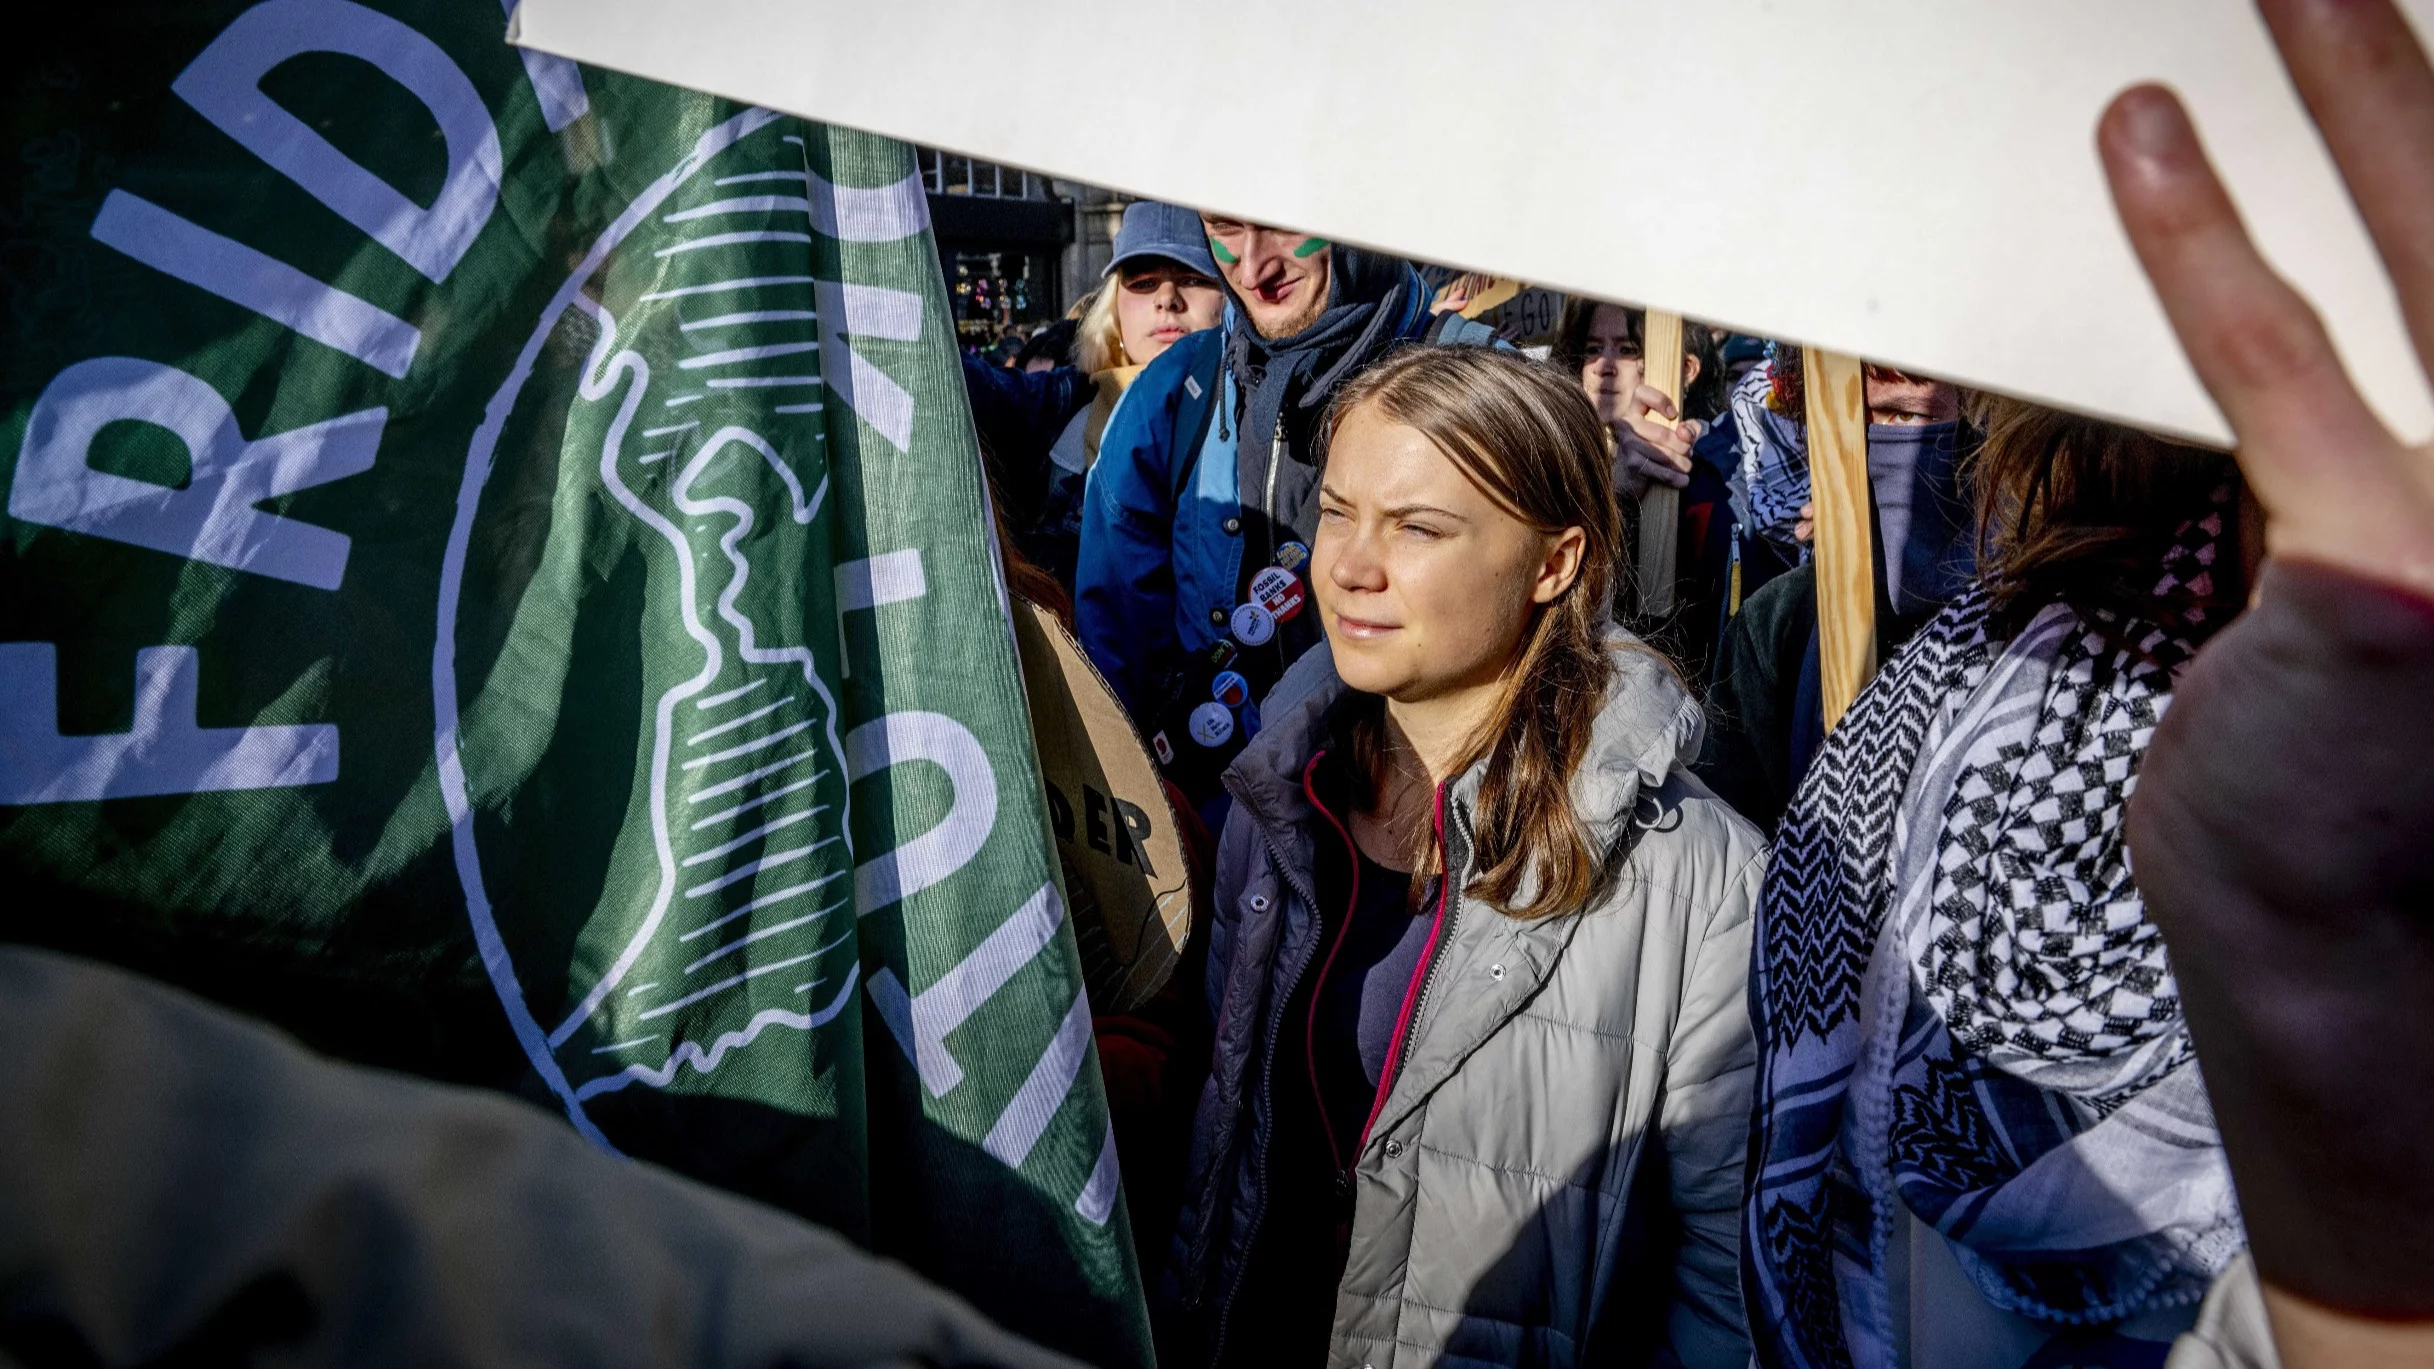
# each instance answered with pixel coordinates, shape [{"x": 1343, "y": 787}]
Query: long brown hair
[
  {"x": 1703, "y": 398},
  {"x": 1525, "y": 434},
  {"x": 2079, "y": 511}
]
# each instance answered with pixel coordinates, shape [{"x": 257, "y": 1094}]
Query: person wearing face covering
[
  {"x": 1191, "y": 592},
  {"x": 1765, "y": 710},
  {"x": 1478, "y": 951},
  {"x": 1982, "y": 1139}
]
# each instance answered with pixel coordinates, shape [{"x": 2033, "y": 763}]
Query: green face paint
[
  {"x": 1217, "y": 250},
  {"x": 1311, "y": 247}
]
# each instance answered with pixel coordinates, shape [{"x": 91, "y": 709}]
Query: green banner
[{"x": 498, "y": 580}]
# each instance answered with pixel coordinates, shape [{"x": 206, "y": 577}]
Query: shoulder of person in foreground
[
  {"x": 178, "y": 1182},
  {"x": 1684, "y": 840}
]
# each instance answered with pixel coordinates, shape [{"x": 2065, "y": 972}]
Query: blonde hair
[{"x": 1098, "y": 342}]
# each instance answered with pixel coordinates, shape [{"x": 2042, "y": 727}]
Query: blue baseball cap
[
  {"x": 1743, "y": 347},
  {"x": 1152, "y": 229}
]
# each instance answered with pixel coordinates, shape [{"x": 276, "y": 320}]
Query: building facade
[{"x": 1018, "y": 249}]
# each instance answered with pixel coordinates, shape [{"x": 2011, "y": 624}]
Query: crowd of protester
[
  {"x": 1568, "y": 992},
  {"x": 1521, "y": 1044},
  {"x": 1507, "y": 1056}
]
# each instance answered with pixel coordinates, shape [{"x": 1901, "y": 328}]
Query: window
[{"x": 947, "y": 173}]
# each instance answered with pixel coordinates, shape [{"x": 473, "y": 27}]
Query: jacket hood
[
  {"x": 1357, "y": 275},
  {"x": 1649, "y": 723}
]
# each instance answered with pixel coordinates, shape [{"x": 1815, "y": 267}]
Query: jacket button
[
  {"x": 1259, "y": 903},
  {"x": 1394, "y": 1150},
  {"x": 1217, "y": 616},
  {"x": 1233, "y": 526},
  {"x": 1495, "y": 972}
]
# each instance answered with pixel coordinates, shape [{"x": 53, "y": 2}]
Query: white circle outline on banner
[{"x": 480, "y": 458}]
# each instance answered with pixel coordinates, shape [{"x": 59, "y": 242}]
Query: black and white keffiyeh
[{"x": 1962, "y": 1008}]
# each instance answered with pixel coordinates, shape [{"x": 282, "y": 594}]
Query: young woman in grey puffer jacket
[{"x": 1477, "y": 967}]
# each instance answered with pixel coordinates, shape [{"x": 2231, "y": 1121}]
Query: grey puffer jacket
[{"x": 1554, "y": 1176}]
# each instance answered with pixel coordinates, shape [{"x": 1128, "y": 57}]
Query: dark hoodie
[{"x": 1373, "y": 302}]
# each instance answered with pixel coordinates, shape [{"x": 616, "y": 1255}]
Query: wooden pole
[
  {"x": 1838, "y": 480},
  {"x": 1661, "y": 504}
]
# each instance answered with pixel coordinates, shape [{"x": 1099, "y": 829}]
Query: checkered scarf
[
  {"x": 1773, "y": 454},
  {"x": 1963, "y": 1011}
]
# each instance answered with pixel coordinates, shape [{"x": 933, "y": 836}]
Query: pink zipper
[
  {"x": 1419, "y": 976},
  {"x": 1335, "y": 1150}
]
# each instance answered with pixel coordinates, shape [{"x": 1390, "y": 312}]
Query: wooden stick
[
  {"x": 1660, "y": 504},
  {"x": 1838, "y": 481}
]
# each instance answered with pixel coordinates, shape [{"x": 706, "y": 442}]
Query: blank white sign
[{"x": 1914, "y": 181}]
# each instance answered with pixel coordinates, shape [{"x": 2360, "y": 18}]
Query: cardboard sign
[
  {"x": 1126, "y": 876},
  {"x": 1522, "y": 314},
  {"x": 1909, "y": 181}
]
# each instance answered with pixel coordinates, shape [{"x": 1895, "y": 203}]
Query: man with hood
[{"x": 1190, "y": 594}]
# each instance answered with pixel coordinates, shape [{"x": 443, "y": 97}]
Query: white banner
[{"x": 1914, "y": 181}]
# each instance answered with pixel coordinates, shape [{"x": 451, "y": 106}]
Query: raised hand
[
  {"x": 1651, "y": 446},
  {"x": 2284, "y": 823}
]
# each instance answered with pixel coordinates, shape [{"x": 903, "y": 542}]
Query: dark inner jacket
[
  {"x": 1321, "y": 1105},
  {"x": 1018, "y": 416},
  {"x": 1373, "y": 302},
  {"x": 1765, "y": 715}
]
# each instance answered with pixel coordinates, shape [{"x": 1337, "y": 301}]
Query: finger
[
  {"x": 2335, "y": 485},
  {"x": 1650, "y": 399},
  {"x": 2256, "y": 345},
  {"x": 1658, "y": 435},
  {"x": 2365, "y": 79},
  {"x": 1652, "y": 464}
]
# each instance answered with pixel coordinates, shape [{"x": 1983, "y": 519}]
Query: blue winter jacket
[{"x": 1161, "y": 548}]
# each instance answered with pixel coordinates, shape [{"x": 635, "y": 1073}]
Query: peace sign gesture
[{"x": 2284, "y": 824}]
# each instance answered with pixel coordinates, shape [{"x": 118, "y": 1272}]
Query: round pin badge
[
  {"x": 1253, "y": 625},
  {"x": 1230, "y": 689},
  {"x": 1279, "y": 591},
  {"x": 1212, "y": 724},
  {"x": 1291, "y": 555}
]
